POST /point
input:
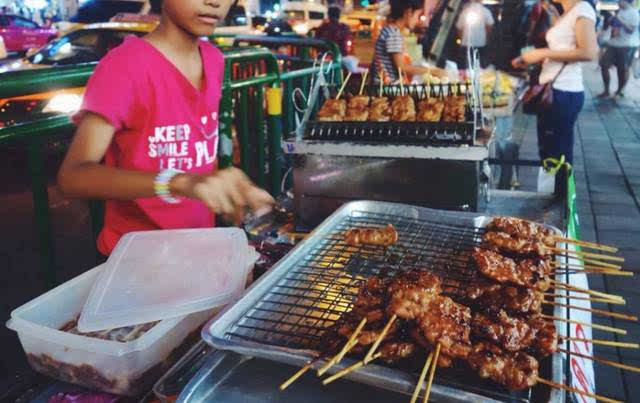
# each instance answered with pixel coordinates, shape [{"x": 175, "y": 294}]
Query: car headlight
[
  {"x": 64, "y": 103},
  {"x": 301, "y": 28}
]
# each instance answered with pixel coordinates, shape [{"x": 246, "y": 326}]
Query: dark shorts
[{"x": 619, "y": 57}]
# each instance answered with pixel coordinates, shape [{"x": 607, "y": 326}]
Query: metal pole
[{"x": 274, "y": 111}]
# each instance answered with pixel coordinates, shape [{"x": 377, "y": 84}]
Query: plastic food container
[
  {"x": 131, "y": 368},
  {"x": 120, "y": 368}
]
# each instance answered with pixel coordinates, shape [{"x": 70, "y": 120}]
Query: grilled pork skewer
[
  {"x": 380, "y": 110},
  {"x": 385, "y": 236},
  {"x": 430, "y": 110},
  {"x": 504, "y": 242},
  {"x": 403, "y": 109},
  {"x": 358, "y": 109},
  {"x": 333, "y": 110},
  {"x": 531, "y": 230}
]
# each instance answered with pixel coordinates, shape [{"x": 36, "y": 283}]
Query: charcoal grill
[
  {"x": 286, "y": 314},
  {"x": 422, "y": 133}
]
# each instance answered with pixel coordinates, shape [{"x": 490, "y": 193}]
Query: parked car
[
  {"x": 303, "y": 16},
  {"x": 20, "y": 34},
  {"x": 87, "y": 44}
]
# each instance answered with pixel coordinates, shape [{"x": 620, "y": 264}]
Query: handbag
[{"x": 538, "y": 98}]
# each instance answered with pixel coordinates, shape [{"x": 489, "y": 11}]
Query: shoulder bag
[{"x": 538, "y": 98}]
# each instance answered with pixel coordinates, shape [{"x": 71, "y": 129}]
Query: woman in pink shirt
[{"x": 148, "y": 131}]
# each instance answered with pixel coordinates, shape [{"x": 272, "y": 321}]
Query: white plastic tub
[{"x": 121, "y": 368}]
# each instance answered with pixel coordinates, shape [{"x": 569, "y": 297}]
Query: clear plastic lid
[{"x": 156, "y": 275}]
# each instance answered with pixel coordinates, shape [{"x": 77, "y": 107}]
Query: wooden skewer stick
[
  {"x": 596, "y": 311},
  {"x": 602, "y": 272},
  {"x": 586, "y": 244},
  {"x": 603, "y": 342},
  {"x": 588, "y": 254},
  {"x": 578, "y": 391},
  {"x": 347, "y": 370},
  {"x": 364, "y": 81},
  {"x": 592, "y": 325},
  {"x": 423, "y": 374},
  {"x": 297, "y": 375},
  {"x": 347, "y": 347},
  {"x": 601, "y": 360},
  {"x": 605, "y": 300},
  {"x": 374, "y": 347},
  {"x": 344, "y": 84},
  {"x": 434, "y": 365},
  {"x": 598, "y": 263},
  {"x": 579, "y": 266},
  {"x": 401, "y": 81},
  {"x": 585, "y": 290},
  {"x": 381, "y": 82}
]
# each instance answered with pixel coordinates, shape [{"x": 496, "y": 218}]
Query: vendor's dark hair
[
  {"x": 334, "y": 13},
  {"x": 156, "y": 7},
  {"x": 398, "y": 7}
]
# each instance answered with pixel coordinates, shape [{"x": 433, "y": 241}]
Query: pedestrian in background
[
  {"x": 621, "y": 47},
  {"x": 571, "y": 40},
  {"x": 474, "y": 27},
  {"x": 334, "y": 30}
]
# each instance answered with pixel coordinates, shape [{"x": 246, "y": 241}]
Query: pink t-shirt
[{"x": 162, "y": 121}]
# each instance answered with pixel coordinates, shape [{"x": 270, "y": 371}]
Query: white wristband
[{"x": 161, "y": 185}]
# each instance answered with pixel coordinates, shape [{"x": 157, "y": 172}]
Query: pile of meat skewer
[
  {"x": 401, "y": 108},
  {"x": 496, "y": 327}
]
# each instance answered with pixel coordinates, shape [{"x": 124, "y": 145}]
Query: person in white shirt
[
  {"x": 572, "y": 40},
  {"x": 625, "y": 39},
  {"x": 474, "y": 27}
]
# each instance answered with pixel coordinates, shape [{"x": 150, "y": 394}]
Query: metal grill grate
[
  {"x": 425, "y": 133},
  {"x": 322, "y": 286}
]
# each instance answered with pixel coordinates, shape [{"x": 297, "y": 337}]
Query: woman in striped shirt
[{"x": 390, "y": 49}]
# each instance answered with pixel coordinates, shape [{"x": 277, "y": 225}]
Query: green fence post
[
  {"x": 274, "y": 112},
  {"x": 243, "y": 128},
  {"x": 36, "y": 160},
  {"x": 260, "y": 135},
  {"x": 225, "y": 146}
]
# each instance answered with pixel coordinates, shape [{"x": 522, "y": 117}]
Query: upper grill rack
[{"x": 427, "y": 133}]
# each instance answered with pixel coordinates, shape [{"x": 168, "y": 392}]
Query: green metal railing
[{"x": 35, "y": 135}]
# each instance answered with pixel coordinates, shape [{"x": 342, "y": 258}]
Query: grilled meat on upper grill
[
  {"x": 430, "y": 110},
  {"x": 385, "y": 236},
  {"x": 394, "y": 351},
  {"x": 444, "y": 361},
  {"x": 519, "y": 228},
  {"x": 333, "y": 110},
  {"x": 455, "y": 109},
  {"x": 358, "y": 109},
  {"x": 516, "y": 371},
  {"x": 380, "y": 110},
  {"x": 403, "y": 109}
]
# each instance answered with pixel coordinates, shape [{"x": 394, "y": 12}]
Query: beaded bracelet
[{"x": 161, "y": 185}]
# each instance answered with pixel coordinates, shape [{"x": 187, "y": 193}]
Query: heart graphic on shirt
[
  {"x": 214, "y": 115},
  {"x": 204, "y": 120}
]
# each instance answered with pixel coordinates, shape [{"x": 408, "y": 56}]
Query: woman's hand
[
  {"x": 228, "y": 192},
  {"x": 534, "y": 56},
  {"x": 438, "y": 72}
]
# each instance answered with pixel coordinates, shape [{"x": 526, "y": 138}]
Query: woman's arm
[
  {"x": 399, "y": 61},
  {"x": 586, "y": 48}
]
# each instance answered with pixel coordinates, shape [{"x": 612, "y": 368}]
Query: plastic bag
[
  {"x": 635, "y": 67},
  {"x": 546, "y": 181}
]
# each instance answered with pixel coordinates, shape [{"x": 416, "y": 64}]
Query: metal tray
[{"x": 292, "y": 350}]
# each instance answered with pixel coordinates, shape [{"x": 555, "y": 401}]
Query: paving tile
[
  {"x": 632, "y": 380},
  {"x": 625, "y": 199},
  {"x": 620, "y": 239},
  {"x": 625, "y": 224}
]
